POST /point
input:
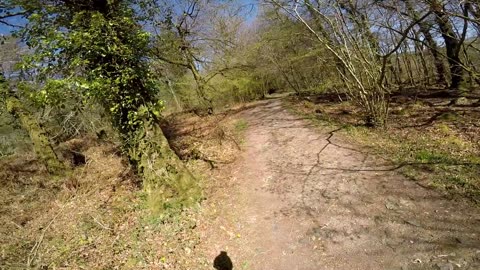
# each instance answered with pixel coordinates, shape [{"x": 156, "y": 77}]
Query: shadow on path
[{"x": 223, "y": 262}]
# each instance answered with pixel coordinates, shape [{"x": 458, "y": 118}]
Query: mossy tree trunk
[
  {"x": 167, "y": 182},
  {"x": 40, "y": 141}
]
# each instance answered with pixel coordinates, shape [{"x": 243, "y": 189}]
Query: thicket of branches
[{"x": 369, "y": 49}]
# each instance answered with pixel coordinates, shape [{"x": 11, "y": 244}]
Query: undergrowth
[
  {"x": 94, "y": 218},
  {"x": 97, "y": 216}
]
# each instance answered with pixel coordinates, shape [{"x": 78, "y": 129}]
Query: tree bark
[
  {"x": 200, "y": 81},
  {"x": 475, "y": 11},
  {"x": 431, "y": 43},
  {"x": 452, "y": 43},
  {"x": 41, "y": 144},
  {"x": 166, "y": 180}
]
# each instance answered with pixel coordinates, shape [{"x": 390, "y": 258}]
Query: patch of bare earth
[{"x": 300, "y": 197}]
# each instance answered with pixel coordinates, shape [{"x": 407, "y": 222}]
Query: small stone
[
  {"x": 445, "y": 266},
  {"x": 406, "y": 203},
  {"x": 462, "y": 101},
  {"x": 390, "y": 206},
  {"x": 417, "y": 260}
]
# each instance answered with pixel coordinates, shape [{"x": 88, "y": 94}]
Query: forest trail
[{"x": 301, "y": 198}]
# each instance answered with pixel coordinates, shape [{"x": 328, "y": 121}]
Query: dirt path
[{"x": 300, "y": 198}]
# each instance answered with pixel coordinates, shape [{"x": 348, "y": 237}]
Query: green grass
[
  {"x": 429, "y": 156},
  {"x": 239, "y": 128},
  {"x": 449, "y": 116},
  {"x": 241, "y": 125}
]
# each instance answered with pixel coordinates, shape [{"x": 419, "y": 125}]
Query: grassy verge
[{"x": 442, "y": 154}]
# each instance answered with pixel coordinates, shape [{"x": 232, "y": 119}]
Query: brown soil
[{"x": 300, "y": 197}]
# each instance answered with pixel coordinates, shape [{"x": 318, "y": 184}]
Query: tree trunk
[
  {"x": 408, "y": 65},
  {"x": 200, "y": 81},
  {"x": 177, "y": 102},
  {"x": 166, "y": 180},
  {"x": 452, "y": 43},
  {"x": 397, "y": 72},
  {"x": 40, "y": 141},
  {"x": 431, "y": 43},
  {"x": 424, "y": 67},
  {"x": 474, "y": 8},
  {"x": 437, "y": 58}
]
